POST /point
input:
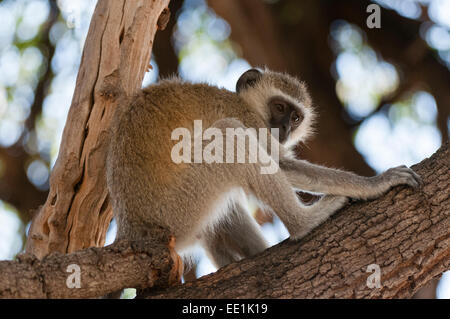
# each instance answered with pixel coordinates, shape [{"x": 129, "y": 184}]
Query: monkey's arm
[{"x": 315, "y": 178}]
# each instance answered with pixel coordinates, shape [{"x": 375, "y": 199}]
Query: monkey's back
[
  {"x": 172, "y": 104},
  {"x": 140, "y": 152}
]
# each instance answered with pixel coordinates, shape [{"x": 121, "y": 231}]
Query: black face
[{"x": 284, "y": 116}]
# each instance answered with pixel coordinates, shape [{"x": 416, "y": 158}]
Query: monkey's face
[
  {"x": 281, "y": 100},
  {"x": 285, "y": 116}
]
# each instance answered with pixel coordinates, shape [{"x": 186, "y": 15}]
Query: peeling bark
[{"x": 116, "y": 55}]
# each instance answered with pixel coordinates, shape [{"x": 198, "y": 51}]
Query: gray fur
[{"x": 203, "y": 201}]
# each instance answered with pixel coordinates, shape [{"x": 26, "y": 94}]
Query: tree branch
[
  {"x": 102, "y": 271},
  {"x": 406, "y": 232}
]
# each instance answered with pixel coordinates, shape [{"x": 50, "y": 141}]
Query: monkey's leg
[
  {"x": 246, "y": 233},
  {"x": 220, "y": 248},
  {"x": 237, "y": 237},
  {"x": 315, "y": 178},
  {"x": 275, "y": 190},
  {"x": 324, "y": 208}
]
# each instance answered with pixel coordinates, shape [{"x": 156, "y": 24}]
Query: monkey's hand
[
  {"x": 319, "y": 179},
  {"x": 400, "y": 175}
]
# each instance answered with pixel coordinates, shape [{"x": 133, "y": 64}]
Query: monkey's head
[{"x": 283, "y": 102}]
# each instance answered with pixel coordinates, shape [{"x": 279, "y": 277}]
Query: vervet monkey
[{"x": 204, "y": 201}]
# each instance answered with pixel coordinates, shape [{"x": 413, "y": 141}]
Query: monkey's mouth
[{"x": 283, "y": 136}]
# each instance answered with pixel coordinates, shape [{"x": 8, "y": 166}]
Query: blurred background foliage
[{"x": 382, "y": 94}]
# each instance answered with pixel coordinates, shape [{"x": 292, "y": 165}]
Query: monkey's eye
[{"x": 296, "y": 119}]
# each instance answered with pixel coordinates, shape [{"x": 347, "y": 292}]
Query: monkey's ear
[{"x": 248, "y": 79}]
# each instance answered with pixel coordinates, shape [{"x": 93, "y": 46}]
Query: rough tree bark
[
  {"x": 102, "y": 270},
  {"x": 406, "y": 232},
  {"x": 117, "y": 50}
]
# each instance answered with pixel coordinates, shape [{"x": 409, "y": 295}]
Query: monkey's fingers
[
  {"x": 403, "y": 175},
  {"x": 409, "y": 171}
]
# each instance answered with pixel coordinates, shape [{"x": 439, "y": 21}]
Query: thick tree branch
[
  {"x": 406, "y": 232},
  {"x": 102, "y": 271}
]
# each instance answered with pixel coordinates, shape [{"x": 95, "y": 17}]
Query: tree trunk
[{"x": 117, "y": 50}]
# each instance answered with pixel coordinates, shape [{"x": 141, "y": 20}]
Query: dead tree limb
[
  {"x": 116, "y": 55},
  {"x": 101, "y": 271}
]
